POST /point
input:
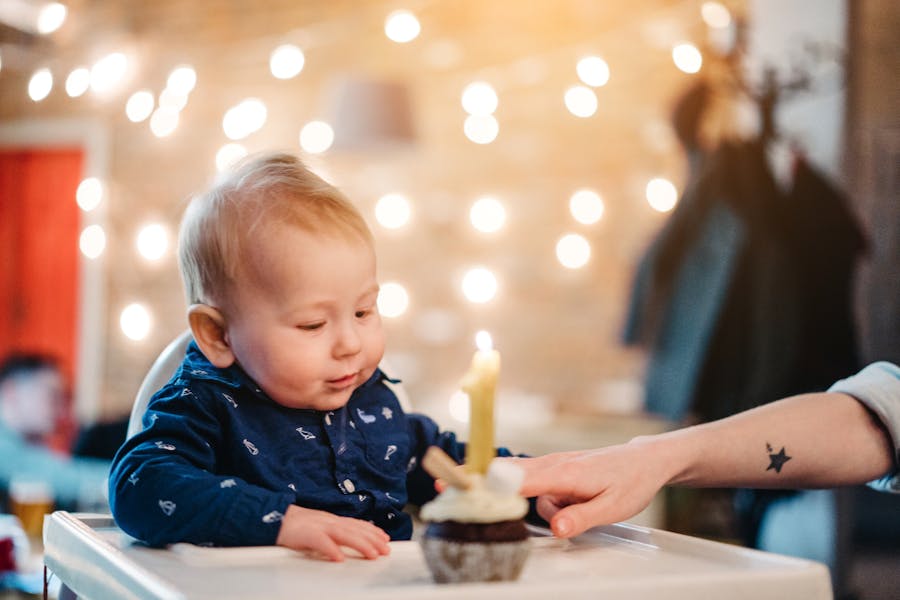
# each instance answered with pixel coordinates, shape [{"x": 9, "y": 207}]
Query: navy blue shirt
[{"x": 218, "y": 462}]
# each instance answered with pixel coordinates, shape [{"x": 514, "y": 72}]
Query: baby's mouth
[{"x": 342, "y": 381}]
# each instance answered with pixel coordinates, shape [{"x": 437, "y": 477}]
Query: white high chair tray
[{"x": 97, "y": 560}]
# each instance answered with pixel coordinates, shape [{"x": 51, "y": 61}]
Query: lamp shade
[{"x": 371, "y": 114}]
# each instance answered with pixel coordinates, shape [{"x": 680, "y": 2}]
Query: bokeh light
[
  {"x": 51, "y": 17},
  {"x": 581, "y": 101},
  {"x": 687, "y": 58},
  {"x": 164, "y": 121},
  {"x": 392, "y": 211},
  {"x": 586, "y": 206},
  {"x": 89, "y": 194},
  {"x": 479, "y": 285},
  {"x": 715, "y": 14},
  {"x": 487, "y": 214},
  {"x": 393, "y": 300},
  {"x": 286, "y": 61},
  {"x": 153, "y": 241},
  {"x": 78, "y": 82},
  {"x": 135, "y": 321},
  {"x": 481, "y": 129},
  {"x": 480, "y": 99},
  {"x": 182, "y": 80},
  {"x": 92, "y": 241},
  {"x": 40, "y": 84},
  {"x": 573, "y": 251},
  {"x": 139, "y": 106},
  {"x": 402, "y": 26},
  {"x": 108, "y": 73},
  {"x": 316, "y": 137},
  {"x": 593, "y": 71},
  {"x": 661, "y": 194},
  {"x": 245, "y": 118}
]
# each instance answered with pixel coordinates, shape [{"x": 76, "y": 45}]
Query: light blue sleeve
[
  {"x": 73, "y": 480},
  {"x": 878, "y": 387}
]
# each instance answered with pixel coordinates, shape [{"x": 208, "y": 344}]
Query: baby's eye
[
  {"x": 362, "y": 314},
  {"x": 311, "y": 326}
]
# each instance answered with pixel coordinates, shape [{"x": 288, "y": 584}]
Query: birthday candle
[{"x": 479, "y": 384}]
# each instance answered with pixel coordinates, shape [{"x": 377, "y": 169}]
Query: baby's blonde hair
[{"x": 261, "y": 189}]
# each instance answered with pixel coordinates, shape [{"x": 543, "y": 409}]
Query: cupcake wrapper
[{"x": 453, "y": 561}]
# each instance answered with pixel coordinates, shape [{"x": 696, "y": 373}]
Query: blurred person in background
[{"x": 32, "y": 405}]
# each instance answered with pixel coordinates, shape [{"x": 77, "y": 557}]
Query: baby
[{"x": 279, "y": 427}]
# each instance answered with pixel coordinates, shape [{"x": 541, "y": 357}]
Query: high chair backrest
[
  {"x": 160, "y": 373},
  {"x": 168, "y": 361}
]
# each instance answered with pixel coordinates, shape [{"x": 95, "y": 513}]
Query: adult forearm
[{"x": 811, "y": 440}]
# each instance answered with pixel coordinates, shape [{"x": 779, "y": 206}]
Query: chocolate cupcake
[
  {"x": 458, "y": 552},
  {"x": 477, "y": 532}
]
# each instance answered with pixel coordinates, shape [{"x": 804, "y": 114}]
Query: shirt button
[{"x": 348, "y": 486}]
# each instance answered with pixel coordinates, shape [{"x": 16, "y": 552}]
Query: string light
[
  {"x": 487, "y": 214},
  {"x": 152, "y": 241},
  {"x": 108, "y": 72},
  {"x": 581, "y": 101},
  {"x": 40, "y": 84},
  {"x": 164, "y": 121},
  {"x": 182, "y": 80},
  {"x": 479, "y": 99},
  {"x": 393, "y": 300},
  {"x": 245, "y": 118},
  {"x": 715, "y": 15},
  {"x": 661, "y": 194},
  {"x": 286, "y": 61},
  {"x": 139, "y": 106},
  {"x": 89, "y": 194},
  {"x": 687, "y": 58},
  {"x": 92, "y": 241},
  {"x": 479, "y": 285},
  {"x": 135, "y": 321},
  {"x": 402, "y": 26},
  {"x": 78, "y": 82},
  {"x": 316, "y": 137},
  {"x": 392, "y": 211},
  {"x": 481, "y": 129},
  {"x": 51, "y": 17},
  {"x": 573, "y": 251},
  {"x": 593, "y": 71},
  {"x": 586, "y": 206}
]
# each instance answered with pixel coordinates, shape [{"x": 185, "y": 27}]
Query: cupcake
[{"x": 475, "y": 529}]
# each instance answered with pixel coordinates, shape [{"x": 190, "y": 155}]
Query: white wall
[{"x": 779, "y": 32}]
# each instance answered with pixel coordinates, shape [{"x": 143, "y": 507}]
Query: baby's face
[{"x": 304, "y": 324}]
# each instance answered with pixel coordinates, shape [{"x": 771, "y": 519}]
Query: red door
[{"x": 39, "y": 229}]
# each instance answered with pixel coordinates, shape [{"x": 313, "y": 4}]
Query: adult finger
[
  {"x": 547, "y": 506},
  {"x": 577, "y": 518}
]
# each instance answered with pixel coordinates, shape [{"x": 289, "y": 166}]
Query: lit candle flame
[{"x": 483, "y": 341}]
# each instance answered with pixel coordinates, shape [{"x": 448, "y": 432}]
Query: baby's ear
[{"x": 208, "y": 326}]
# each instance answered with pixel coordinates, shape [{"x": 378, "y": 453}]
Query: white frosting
[{"x": 481, "y": 503}]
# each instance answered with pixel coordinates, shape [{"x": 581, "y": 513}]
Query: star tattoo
[{"x": 777, "y": 460}]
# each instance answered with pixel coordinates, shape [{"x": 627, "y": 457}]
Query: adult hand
[
  {"x": 582, "y": 489},
  {"x": 326, "y": 533}
]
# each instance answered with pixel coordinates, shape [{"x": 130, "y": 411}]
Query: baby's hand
[{"x": 325, "y": 533}]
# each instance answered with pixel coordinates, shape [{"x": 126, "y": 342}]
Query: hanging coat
[{"x": 722, "y": 297}]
